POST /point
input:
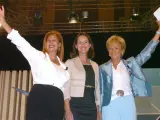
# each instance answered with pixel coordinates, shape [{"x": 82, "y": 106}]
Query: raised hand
[
  {"x": 157, "y": 35},
  {"x": 158, "y": 23},
  {"x": 3, "y": 22},
  {"x": 1, "y": 14}
]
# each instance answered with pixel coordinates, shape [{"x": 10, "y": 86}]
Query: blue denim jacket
[{"x": 139, "y": 84}]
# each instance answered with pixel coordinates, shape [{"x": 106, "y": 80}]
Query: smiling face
[
  {"x": 116, "y": 47},
  {"x": 52, "y": 43},
  {"x": 115, "y": 51},
  {"x": 83, "y": 45}
]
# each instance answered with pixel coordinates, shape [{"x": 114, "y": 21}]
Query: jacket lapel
[
  {"x": 108, "y": 68},
  {"x": 78, "y": 64}
]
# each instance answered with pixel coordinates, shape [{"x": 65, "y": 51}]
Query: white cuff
[{"x": 9, "y": 36}]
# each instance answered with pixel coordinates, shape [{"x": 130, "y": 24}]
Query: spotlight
[
  {"x": 84, "y": 16},
  {"x": 37, "y": 15},
  {"x": 135, "y": 18},
  {"x": 73, "y": 17},
  {"x": 135, "y": 15},
  {"x": 38, "y": 20}
]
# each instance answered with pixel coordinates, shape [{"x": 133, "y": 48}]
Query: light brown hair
[{"x": 60, "y": 52}]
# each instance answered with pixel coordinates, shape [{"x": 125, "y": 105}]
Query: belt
[
  {"x": 89, "y": 86},
  {"x": 120, "y": 93}
]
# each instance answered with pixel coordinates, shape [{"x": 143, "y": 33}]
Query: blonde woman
[{"x": 121, "y": 80}]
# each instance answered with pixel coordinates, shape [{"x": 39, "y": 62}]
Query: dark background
[{"x": 12, "y": 59}]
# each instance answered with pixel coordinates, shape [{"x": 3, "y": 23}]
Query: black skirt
[
  {"x": 45, "y": 102},
  {"x": 84, "y": 108}
]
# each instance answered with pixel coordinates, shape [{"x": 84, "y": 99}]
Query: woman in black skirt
[
  {"x": 82, "y": 98},
  {"x": 45, "y": 101}
]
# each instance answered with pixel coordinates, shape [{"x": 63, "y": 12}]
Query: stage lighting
[
  {"x": 84, "y": 16},
  {"x": 38, "y": 19},
  {"x": 73, "y": 17},
  {"x": 135, "y": 15}
]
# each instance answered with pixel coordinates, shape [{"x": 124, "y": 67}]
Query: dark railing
[{"x": 90, "y": 27}]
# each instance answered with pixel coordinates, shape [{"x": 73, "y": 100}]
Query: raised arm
[
  {"x": 3, "y": 22},
  {"x": 145, "y": 54},
  {"x": 30, "y": 53},
  {"x": 157, "y": 35}
]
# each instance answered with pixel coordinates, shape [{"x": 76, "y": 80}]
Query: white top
[
  {"x": 121, "y": 80},
  {"x": 44, "y": 71}
]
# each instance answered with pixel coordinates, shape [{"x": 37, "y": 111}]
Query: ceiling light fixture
[
  {"x": 73, "y": 17},
  {"x": 38, "y": 19},
  {"x": 84, "y": 16},
  {"x": 135, "y": 15}
]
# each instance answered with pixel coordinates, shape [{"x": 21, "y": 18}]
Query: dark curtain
[{"x": 12, "y": 59}]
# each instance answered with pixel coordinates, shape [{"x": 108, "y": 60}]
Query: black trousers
[{"x": 45, "y": 102}]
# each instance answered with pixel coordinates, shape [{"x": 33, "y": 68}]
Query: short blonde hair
[
  {"x": 60, "y": 52},
  {"x": 116, "y": 39}
]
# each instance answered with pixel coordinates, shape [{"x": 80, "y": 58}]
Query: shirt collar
[
  {"x": 119, "y": 64},
  {"x": 48, "y": 58}
]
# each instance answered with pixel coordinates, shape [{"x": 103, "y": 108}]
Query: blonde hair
[
  {"x": 60, "y": 52},
  {"x": 116, "y": 39}
]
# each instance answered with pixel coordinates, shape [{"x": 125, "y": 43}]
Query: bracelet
[{"x": 158, "y": 32}]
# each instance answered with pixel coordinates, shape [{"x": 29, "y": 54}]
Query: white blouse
[
  {"x": 44, "y": 71},
  {"x": 121, "y": 80}
]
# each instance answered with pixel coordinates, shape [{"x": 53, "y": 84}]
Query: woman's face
[
  {"x": 115, "y": 51},
  {"x": 83, "y": 45},
  {"x": 52, "y": 43}
]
